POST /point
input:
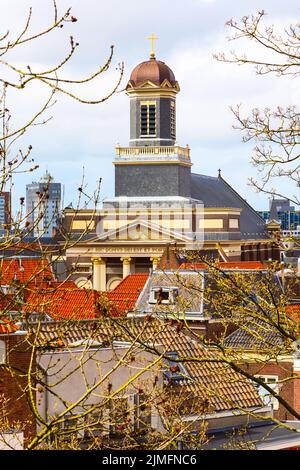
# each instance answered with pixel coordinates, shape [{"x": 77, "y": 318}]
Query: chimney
[
  {"x": 282, "y": 274},
  {"x": 21, "y": 267}
]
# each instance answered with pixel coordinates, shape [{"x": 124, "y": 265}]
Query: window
[
  {"x": 148, "y": 118},
  {"x": 173, "y": 119},
  {"x": 142, "y": 412},
  {"x": 71, "y": 425},
  {"x": 272, "y": 382},
  {"x": 118, "y": 415},
  {"x": 97, "y": 423},
  {"x": 163, "y": 295},
  {"x": 2, "y": 352},
  {"x": 174, "y": 371}
]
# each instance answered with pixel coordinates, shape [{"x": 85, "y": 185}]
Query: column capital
[
  {"x": 125, "y": 260},
  {"x": 98, "y": 260},
  {"x": 155, "y": 262}
]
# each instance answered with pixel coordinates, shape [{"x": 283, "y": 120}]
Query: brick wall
[
  {"x": 216, "y": 329},
  {"x": 282, "y": 370},
  {"x": 169, "y": 259},
  {"x": 296, "y": 384},
  {"x": 13, "y": 384}
]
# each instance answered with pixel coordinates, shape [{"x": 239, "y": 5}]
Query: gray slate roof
[
  {"x": 215, "y": 192},
  {"x": 189, "y": 286},
  {"x": 255, "y": 335}
]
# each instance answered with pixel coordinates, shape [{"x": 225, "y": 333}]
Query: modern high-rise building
[
  {"x": 5, "y": 211},
  {"x": 43, "y": 204},
  {"x": 282, "y": 212}
]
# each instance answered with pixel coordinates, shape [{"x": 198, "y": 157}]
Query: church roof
[
  {"x": 216, "y": 192},
  {"x": 154, "y": 71}
]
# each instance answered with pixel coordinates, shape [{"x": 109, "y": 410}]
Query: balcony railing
[{"x": 154, "y": 153}]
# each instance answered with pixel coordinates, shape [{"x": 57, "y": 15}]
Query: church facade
[{"x": 158, "y": 201}]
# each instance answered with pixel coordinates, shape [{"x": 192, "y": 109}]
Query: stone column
[
  {"x": 99, "y": 274},
  {"x": 126, "y": 266},
  {"x": 155, "y": 263}
]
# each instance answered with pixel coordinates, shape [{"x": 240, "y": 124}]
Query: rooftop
[
  {"x": 25, "y": 270},
  {"x": 240, "y": 265},
  {"x": 216, "y": 192},
  {"x": 188, "y": 299},
  {"x": 65, "y": 303},
  {"x": 125, "y": 295},
  {"x": 210, "y": 380},
  {"x": 7, "y": 327},
  {"x": 152, "y": 70},
  {"x": 255, "y": 335}
]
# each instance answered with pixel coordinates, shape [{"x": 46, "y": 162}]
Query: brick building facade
[{"x": 16, "y": 362}]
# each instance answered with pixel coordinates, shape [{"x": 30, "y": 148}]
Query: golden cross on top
[{"x": 152, "y": 38}]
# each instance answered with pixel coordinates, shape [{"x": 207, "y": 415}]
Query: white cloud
[{"x": 189, "y": 33}]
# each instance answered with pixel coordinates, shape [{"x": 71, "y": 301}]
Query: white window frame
[
  {"x": 138, "y": 423},
  {"x": 172, "y": 291},
  {"x": 266, "y": 397}
]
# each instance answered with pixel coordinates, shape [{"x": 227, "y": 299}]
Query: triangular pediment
[
  {"x": 166, "y": 84},
  {"x": 147, "y": 84},
  {"x": 274, "y": 223},
  {"x": 141, "y": 230}
]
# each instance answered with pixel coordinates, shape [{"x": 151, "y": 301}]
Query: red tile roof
[
  {"x": 123, "y": 298},
  {"x": 293, "y": 311},
  {"x": 65, "y": 304},
  {"x": 225, "y": 265},
  {"x": 48, "y": 285},
  {"x": 7, "y": 326},
  {"x": 132, "y": 284},
  {"x": 24, "y": 270},
  {"x": 65, "y": 301},
  {"x": 121, "y": 303}
]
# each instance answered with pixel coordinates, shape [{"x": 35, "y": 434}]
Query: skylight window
[{"x": 174, "y": 371}]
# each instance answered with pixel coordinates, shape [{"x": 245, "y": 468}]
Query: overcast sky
[{"x": 189, "y": 33}]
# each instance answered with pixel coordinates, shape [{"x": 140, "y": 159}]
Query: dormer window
[
  {"x": 148, "y": 118},
  {"x": 163, "y": 295},
  {"x": 174, "y": 371}
]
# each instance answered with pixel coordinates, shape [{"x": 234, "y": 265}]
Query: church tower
[{"x": 153, "y": 164}]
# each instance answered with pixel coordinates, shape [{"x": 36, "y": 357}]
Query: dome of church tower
[{"x": 154, "y": 71}]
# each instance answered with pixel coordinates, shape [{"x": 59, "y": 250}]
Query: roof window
[{"x": 163, "y": 295}]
